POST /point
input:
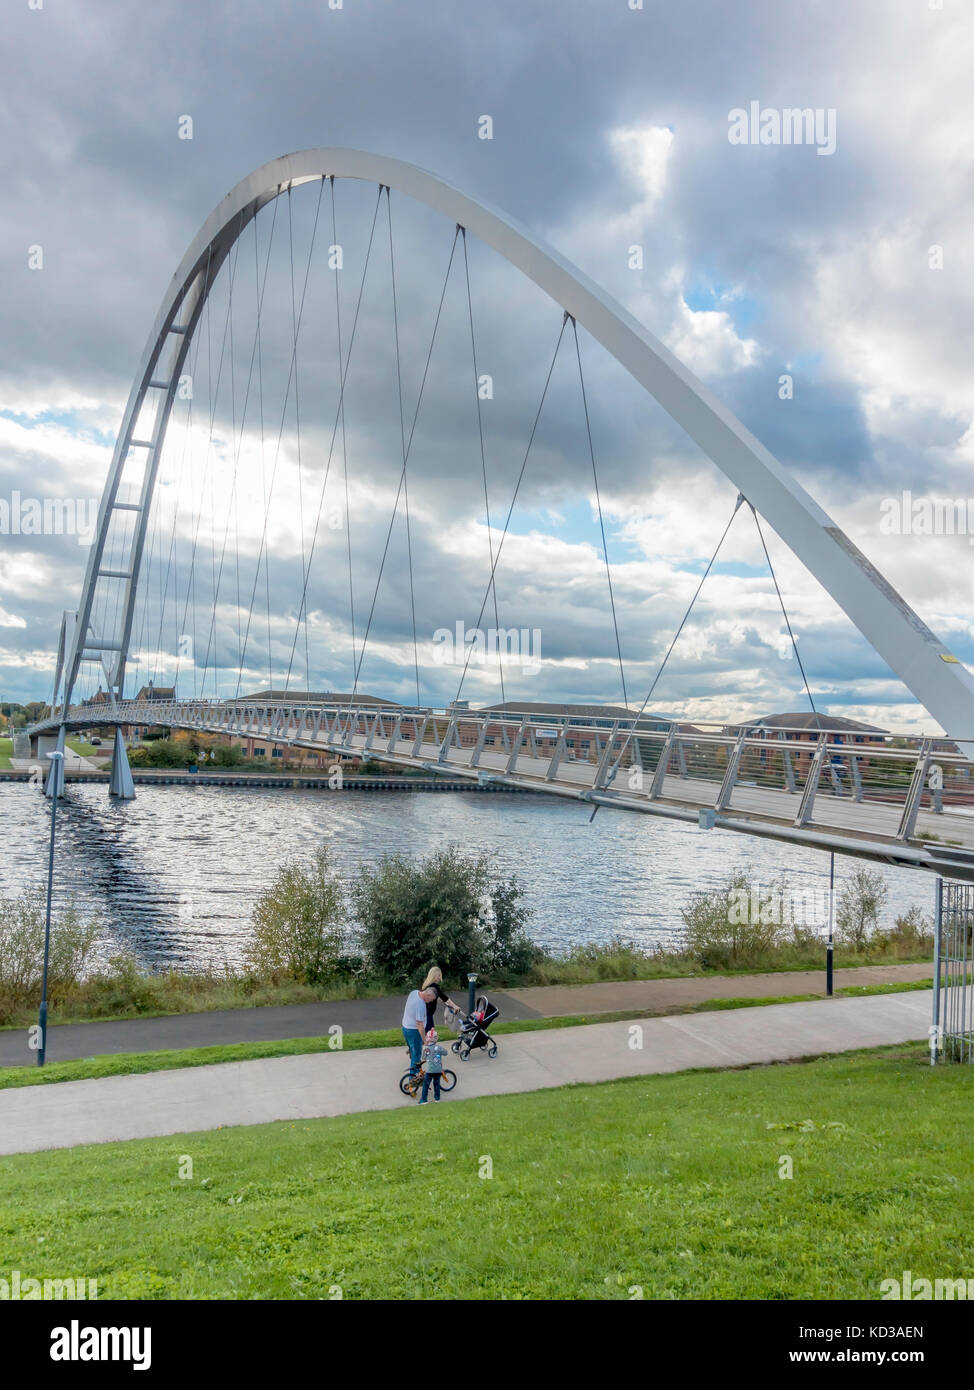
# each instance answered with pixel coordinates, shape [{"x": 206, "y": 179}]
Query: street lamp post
[
  {"x": 828, "y": 957},
  {"x": 471, "y": 993},
  {"x": 42, "y": 1017}
]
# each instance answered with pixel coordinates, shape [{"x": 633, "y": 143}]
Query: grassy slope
[
  {"x": 137, "y": 1063},
  {"x": 670, "y": 1183},
  {"x": 6, "y": 752}
]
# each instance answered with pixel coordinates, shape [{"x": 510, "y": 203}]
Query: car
[{"x": 96, "y": 743}]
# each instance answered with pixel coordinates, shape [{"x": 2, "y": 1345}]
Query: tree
[
  {"x": 857, "y": 912},
  {"x": 448, "y": 910},
  {"x": 511, "y": 951},
  {"x": 297, "y": 923}
]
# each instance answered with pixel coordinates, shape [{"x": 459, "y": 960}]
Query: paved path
[
  {"x": 70, "y": 1041},
  {"x": 558, "y": 1001},
  {"x": 62, "y": 1114}
]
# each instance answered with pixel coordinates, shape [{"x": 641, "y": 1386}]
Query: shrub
[
  {"x": 509, "y": 951},
  {"x": 912, "y": 934},
  {"x": 857, "y": 911},
  {"x": 723, "y": 930},
  {"x": 412, "y": 915},
  {"x": 22, "y": 922},
  {"x": 297, "y": 923}
]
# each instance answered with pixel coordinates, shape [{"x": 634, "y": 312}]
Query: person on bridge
[
  {"x": 414, "y": 1025},
  {"x": 434, "y": 982}
]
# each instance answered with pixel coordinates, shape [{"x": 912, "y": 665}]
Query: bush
[
  {"x": 22, "y": 922},
  {"x": 412, "y": 915},
  {"x": 723, "y": 930},
  {"x": 911, "y": 936},
  {"x": 297, "y": 932},
  {"x": 509, "y": 951},
  {"x": 449, "y": 910},
  {"x": 857, "y": 911}
]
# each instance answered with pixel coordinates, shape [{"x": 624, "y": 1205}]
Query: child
[{"x": 433, "y": 1056}]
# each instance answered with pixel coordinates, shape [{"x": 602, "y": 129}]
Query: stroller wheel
[
  {"x": 455, "y": 1047},
  {"x": 492, "y": 1050},
  {"x": 464, "y": 1054}
]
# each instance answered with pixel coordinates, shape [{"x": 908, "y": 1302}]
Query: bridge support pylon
[
  {"x": 121, "y": 784},
  {"x": 54, "y": 785}
]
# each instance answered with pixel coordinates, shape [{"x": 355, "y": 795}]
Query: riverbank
[{"x": 294, "y": 781}]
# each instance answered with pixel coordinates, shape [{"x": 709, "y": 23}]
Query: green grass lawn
[
  {"x": 666, "y": 1184},
  {"x": 137, "y": 1063},
  {"x": 87, "y": 750},
  {"x": 6, "y": 753}
]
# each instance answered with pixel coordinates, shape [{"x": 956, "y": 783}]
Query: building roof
[
  {"x": 831, "y": 722},
  {"x": 575, "y": 711},
  {"x": 311, "y": 697}
]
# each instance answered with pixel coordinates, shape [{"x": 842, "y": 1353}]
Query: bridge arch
[{"x": 934, "y": 676}]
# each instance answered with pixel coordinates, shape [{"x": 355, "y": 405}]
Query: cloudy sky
[{"x": 848, "y": 272}]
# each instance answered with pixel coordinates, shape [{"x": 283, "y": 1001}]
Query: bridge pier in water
[
  {"x": 121, "y": 784},
  {"x": 54, "y": 785}
]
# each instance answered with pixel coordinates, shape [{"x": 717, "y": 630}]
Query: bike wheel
[
  {"x": 408, "y": 1084},
  {"x": 448, "y": 1079}
]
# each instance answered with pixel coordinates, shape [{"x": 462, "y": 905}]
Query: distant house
[
  {"x": 262, "y": 700},
  {"x": 583, "y": 737},
  {"x": 800, "y": 732}
]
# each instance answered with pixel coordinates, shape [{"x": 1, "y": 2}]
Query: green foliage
[
  {"x": 163, "y": 752},
  {"x": 509, "y": 951},
  {"x": 858, "y": 908},
  {"x": 912, "y": 934},
  {"x": 413, "y": 915},
  {"x": 722, "y": 930},
  {"x": 297, "y": 923},
  {"x": 22, "y": 922}
]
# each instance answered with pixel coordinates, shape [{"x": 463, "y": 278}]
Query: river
[{"x": 173, "y": 874}]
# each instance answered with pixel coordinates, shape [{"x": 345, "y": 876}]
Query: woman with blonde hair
[{"x": 434, "y": 983}]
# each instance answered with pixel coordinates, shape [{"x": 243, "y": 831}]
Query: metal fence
[{"x": 954, "y": 966}]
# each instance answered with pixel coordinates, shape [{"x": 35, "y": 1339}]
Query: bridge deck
[{"x": 752, "y": 782}]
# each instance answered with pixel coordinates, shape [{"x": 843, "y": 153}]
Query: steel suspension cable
[
  {"x": 234, "y": 491},
  {"x": 598, "y": 499},
  {"x": 483, "y": 457},
  {"x": 784, "y": 613},
  {"x": 676, "y": 636},
  {"x": 339, "y": 415},
  {"x": 517, "y": 488},
  {"x": 277, "y": 451},
  {"x": 341, "y": 403},
  {"x": 402, "y": 437},
  {"x": 409, "y": 445}
]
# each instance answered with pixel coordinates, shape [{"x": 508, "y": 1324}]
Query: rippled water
[{"x": 174, "y": 873}]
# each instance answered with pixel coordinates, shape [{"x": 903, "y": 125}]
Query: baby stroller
[{"x": 473, "y": 1030}]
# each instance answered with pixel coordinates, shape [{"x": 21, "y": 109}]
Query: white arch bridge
[{"x": 904, "y": 801}]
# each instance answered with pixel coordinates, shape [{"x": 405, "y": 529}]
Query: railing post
[{"x": 938, "y": 916}]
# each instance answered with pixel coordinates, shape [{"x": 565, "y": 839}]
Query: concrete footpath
[
  {"x": 273, "y": 1023},
  {"x": 63, "y": 1114}
]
